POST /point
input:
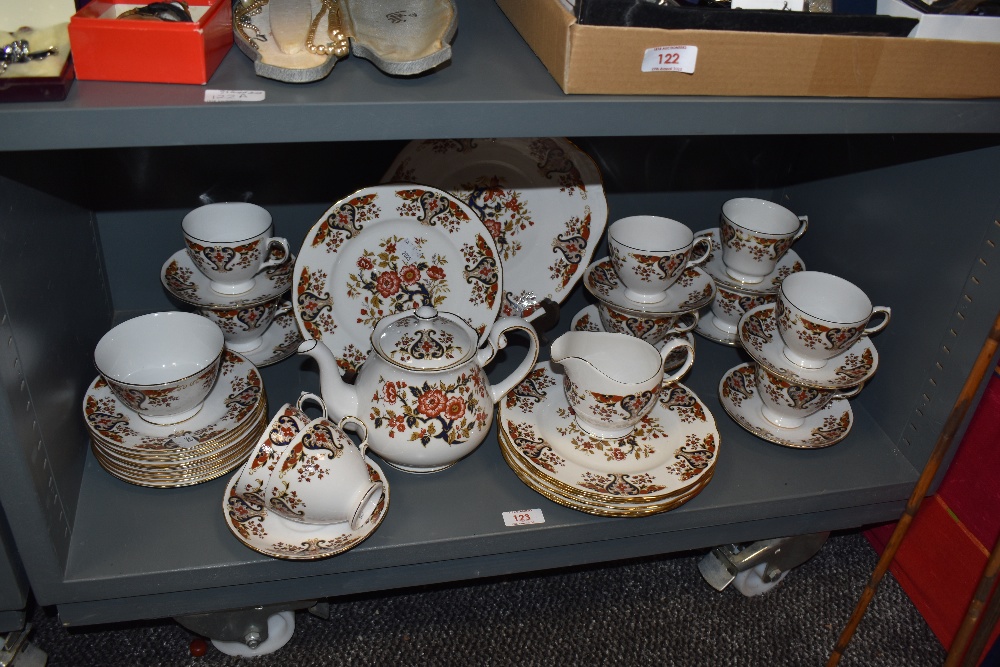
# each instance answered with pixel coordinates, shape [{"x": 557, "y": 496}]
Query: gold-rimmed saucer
[
  {"x": 666, "y": 455},
  {"x": 608, "y": 509}
]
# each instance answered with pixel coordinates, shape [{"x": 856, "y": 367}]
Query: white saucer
[
  {"x": 669, "y": 452},
  {"x": 694, "y": 290},
  {"x": 706, "y": 329},
  {"x": 738, "y": 395},
  {"x": 788, "y": 264},
  {"x": 759, "y": 335},
  {"x": 232, "y": 401},
  {"x": 589, "y": 319},
  {"x": 272, "y": 535},
  {"x": 186, "y": 283},
  {"x": 279, "y": 342}
]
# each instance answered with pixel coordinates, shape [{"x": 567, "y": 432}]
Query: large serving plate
[
  {"x": 667, "y": 455},
  {"x": 542, "y": 200},
  {"x": 390, "y": 248}
]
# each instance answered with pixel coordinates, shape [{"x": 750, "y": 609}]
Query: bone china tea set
[{"x": 412, "y": 286}]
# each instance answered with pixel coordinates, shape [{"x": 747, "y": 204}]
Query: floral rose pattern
[
  {"x": 639, "y": 444},
  {"x": 224, "y": 258},
  {"x": 570, "y": 248},
  {"x": 385, "y": 283},
  {"x": 531, "y": 391},
  {"x": 761, "y": 248},
  {"x": 346, "y": 221},
  {"x": 501, "y": 209},
  {"x": 452, "y": 412}
]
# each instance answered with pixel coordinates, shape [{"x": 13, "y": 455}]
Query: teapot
[{"x": 422, "y": 393}]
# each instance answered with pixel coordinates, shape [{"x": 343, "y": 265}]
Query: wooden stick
[
  {"x": 972, "y": 613},
  {"x": 941, "y": 447}
]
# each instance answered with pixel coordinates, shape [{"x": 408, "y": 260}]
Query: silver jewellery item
[{"x": 19, "y": 51}]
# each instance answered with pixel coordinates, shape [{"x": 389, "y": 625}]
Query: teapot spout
[{"x": 341, "y": 399}]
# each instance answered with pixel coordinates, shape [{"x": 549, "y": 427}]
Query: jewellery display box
[
  {"x": 42, "y": 24},
  {"x": 108, "y": 49},
  {"x": 650, "y": 61}
]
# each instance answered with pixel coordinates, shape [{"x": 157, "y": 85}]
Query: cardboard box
[
  {"x": 609, "y": 60},
  {"x": 108, "y": 49}
]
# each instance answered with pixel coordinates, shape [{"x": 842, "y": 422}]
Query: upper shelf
[{"x": 494, "y": 86}]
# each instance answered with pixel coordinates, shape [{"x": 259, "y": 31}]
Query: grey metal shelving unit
[
  {"x": 13, "y": 583},
  {"x": 902, "y": 196}
]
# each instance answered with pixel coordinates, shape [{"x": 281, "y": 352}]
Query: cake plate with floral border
[
  {"x": 386, "y": 249},
  {"x": 273, "y": 535},
  {"x": 666, "y": 455},
  {"x": 692, "y": 291},
  {"x": 739, "y": 398},
  {"x": 541, "y": 199},
  {"x": 759, "y": 335}
]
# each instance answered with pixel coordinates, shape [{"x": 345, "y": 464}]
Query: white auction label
[
  {"x": 523, "y": 517},
  {"x": 409, "y": 252},
  {"x": 234, "y": 95},
  {"x": 670, "y": 59}
]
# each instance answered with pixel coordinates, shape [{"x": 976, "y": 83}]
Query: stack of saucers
[
  {"x": 811, "y": 352},
  {"x": 200, "y": 448},
  {"x": 649, "y": 287},
  {"x": 754, "y": 235},
  {"x": 665, "y": 461},
  {"x": 236, "y": 274}
]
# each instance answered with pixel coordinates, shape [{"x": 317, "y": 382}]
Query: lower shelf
[{"x": 146, "y": 553}]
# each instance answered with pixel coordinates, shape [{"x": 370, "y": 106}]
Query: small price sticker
[
  {"x": 186, "y": 441},
  {"x": 670, "y": 59},
  {"x": 409, "y": 252},
  {"x": 523, "y": 517},
  {"x": 234, "y": 95}
]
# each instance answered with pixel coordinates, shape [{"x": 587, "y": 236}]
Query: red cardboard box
[{"x": 108, "y": 49}]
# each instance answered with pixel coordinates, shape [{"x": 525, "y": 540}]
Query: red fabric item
[{"x": 943, "y": 555}]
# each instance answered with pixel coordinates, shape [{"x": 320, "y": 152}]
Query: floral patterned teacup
[
  {"x": 730, "y": 304},
  {"x": 820, "y": 316},
  {"x": 755, "y": 234},
  {"x": 651, "y": 329},
  {"x": 321, "y": 477},
  {"x": 650, "y": 253},
  {"x": 787, "y": 404},
  {"x": 161, "y": 365},
  {"x": 613, "y": 380},
  {"x": 244, "y": 326},
  {"x": 231, "y": 242}
]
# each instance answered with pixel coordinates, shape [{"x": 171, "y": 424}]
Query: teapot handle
[{"x": 497, "y": 342}]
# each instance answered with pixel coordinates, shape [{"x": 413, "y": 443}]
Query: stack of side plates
[
  {"x": 667, "y": 460},
  {"x": 206, "y": 446}
]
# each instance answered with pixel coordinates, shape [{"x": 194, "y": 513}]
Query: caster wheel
[
  {"x": 280, "y": 627},
  {"x": 751, "y": 582}
]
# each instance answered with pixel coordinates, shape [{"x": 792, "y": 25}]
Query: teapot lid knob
[{"x": 427, "y": 312}]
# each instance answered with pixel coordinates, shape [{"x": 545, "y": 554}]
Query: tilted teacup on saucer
[{"x": 755, "y": 234}]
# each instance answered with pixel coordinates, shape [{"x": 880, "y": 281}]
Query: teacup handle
[
  {"x": 282, "y": 256},
  {"x": 362, "y": 431},
  {"x": 804, "y": 220},
  {"x": 286, "y": 307},
  {"x": 884, "y": 310},
  {"x": 681, "y": 327},
  {"x": 700, "y": 259},
  {"x": 497, "y": 342},
  {"x": 309, "y": 396},
  {"x": 667, "y": 350}
]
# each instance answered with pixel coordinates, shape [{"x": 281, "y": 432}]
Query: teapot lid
[{"x": 424, "y": 339}]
